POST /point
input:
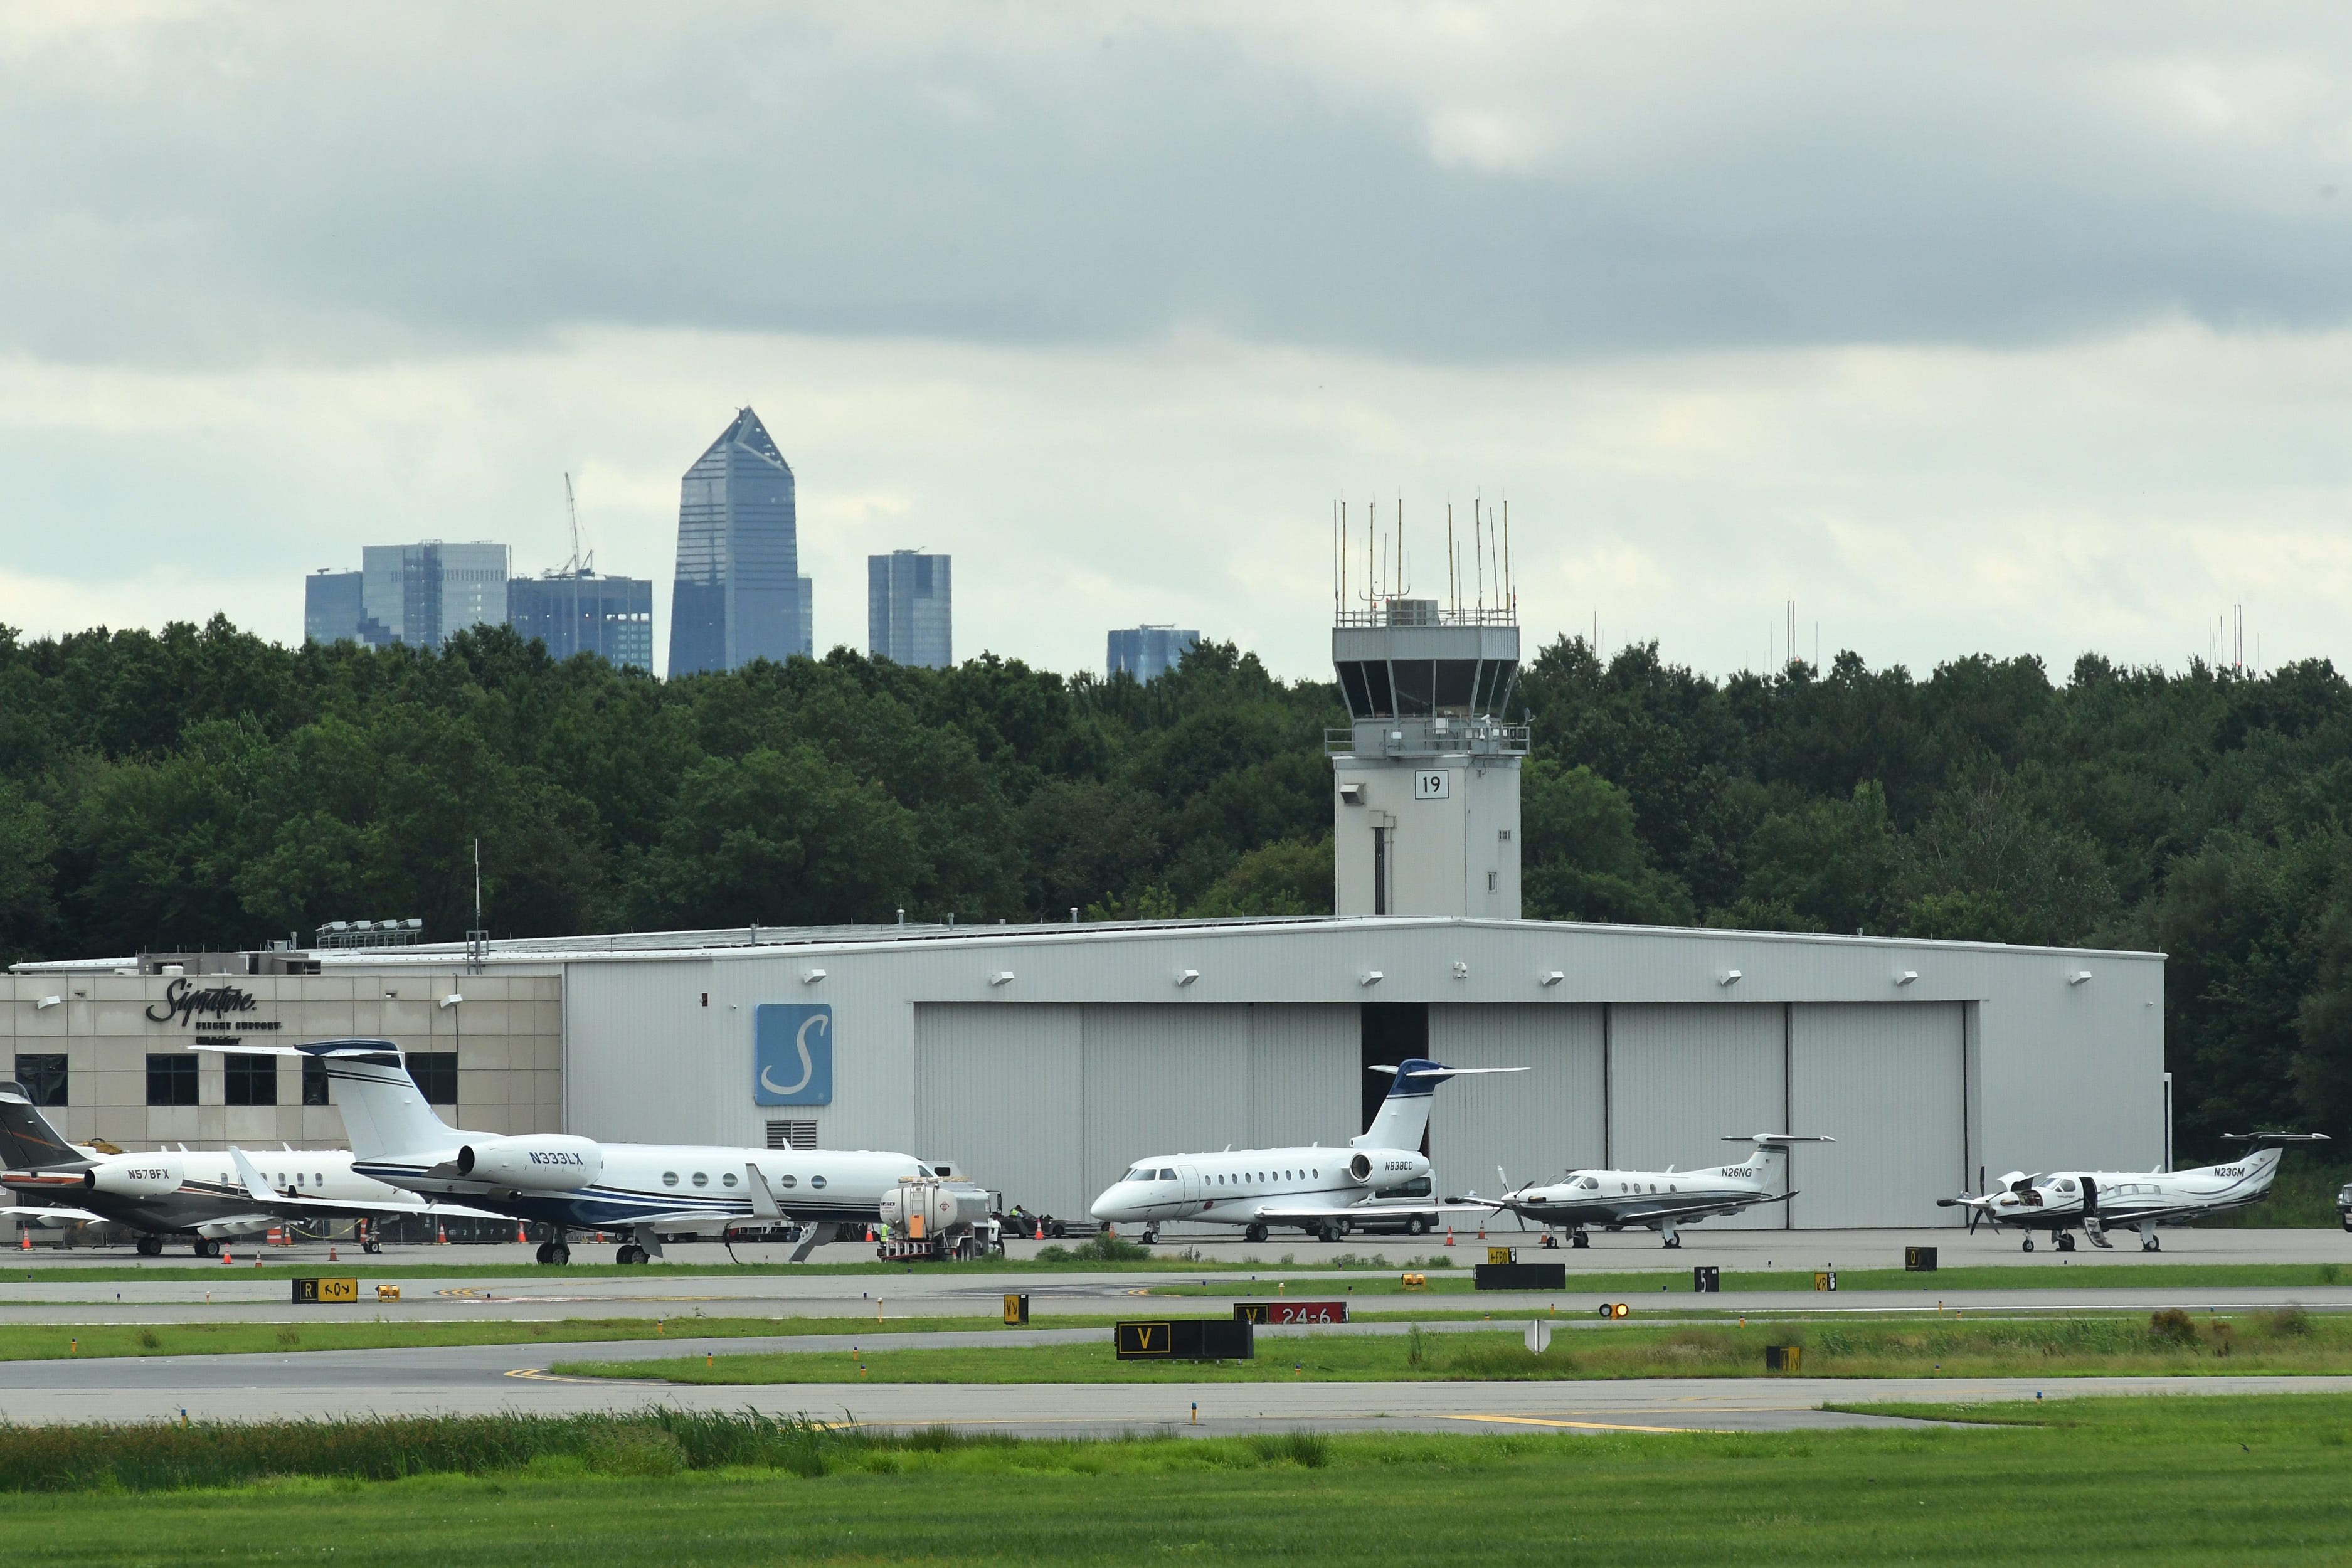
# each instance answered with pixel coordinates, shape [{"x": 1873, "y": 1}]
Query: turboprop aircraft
[
  {"x": 1659, "y": 1200},
  {"x": 1318, "y": 1189},
  {"x": 646, "y": 1190},
  {"x": 206, "y": 1196},
  {"x": 2097, "y": 1202}
]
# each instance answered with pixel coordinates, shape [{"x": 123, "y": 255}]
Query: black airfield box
[
  {"x": 1521, "y": 1277},
  {"x": 1920, "y": 1259},
  {"x": 1186, "y": 1339},
  {"x": 1707, "y": 1278}
]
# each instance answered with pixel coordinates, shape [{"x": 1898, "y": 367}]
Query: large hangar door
[
  {"x": 1159, "y": 1079},
  {"x": 1303, "y": 1074},
  {"x": 1888, "y": 1082},
  {"x": 1682, "y": 1076},
  {"x": 997, "y": 1088},
  {"x": 1535, "y": 1125}
]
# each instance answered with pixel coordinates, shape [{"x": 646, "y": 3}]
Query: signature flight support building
[{"x": 1045, "y": 1059}]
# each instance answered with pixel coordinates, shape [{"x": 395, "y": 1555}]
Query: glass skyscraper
[
  {"x": 910, "y": 608},
  {"x": 580, "y": 612},
  {"x": 423, "y": 594},
  {"x": 740, "y": 595},
  {"x": 1148, "y": 653}
]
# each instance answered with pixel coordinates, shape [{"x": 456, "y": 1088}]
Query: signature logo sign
[
  {"x": 184, "y": 1002},
  {"x": 792, "y": 1054}
]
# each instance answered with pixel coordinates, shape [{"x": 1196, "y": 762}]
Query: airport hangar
[{"x": 1045, "y": 1059}]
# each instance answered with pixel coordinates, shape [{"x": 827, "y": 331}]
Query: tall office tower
[
  {"x": 740, "y": 595},
  {"x": 909, "y": 608},
  {"x": 1148, "y": 653},
  {"x": 331, "y": 607},
  {"x": 423, "y": 594},
  {"x": 581, "y": 612}
]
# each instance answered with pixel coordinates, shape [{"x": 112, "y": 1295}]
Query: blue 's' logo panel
[{"x": 791, "y": 1053}]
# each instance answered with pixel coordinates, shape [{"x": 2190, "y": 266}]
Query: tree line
[{"x": 203, "y": 787}]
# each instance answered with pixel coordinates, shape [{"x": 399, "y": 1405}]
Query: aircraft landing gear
[
  {"x": 206, "y": 1247},
  {"x": 1330, "y": 1233},
  {"x": 1254, "y": 1233},
  {"x": 1673, "y": 1241},
  {"x": 2065, "y": 1242},
  {"x": 2029, "y": 1244},
  {"x": 556, "y": 1253},
  {"x": 1150, "y": 1235},
  {"x": 631, "y": 1252},
  {"x": 2151, "y": 1243},
  {"x": 150, "y": 1247},
  {"x": 1580, "y": 1238}
]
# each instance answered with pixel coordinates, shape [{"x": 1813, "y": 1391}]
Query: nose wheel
[
  {"x": 1580, "y": 1238},
  {"x": 2029, "y": 1244}
]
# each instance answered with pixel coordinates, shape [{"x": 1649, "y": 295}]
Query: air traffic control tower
[{"x": 1425, "y": 781}]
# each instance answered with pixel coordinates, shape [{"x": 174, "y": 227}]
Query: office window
[
  {"x": 42, "y": 1077},
  {"x": 314, "y": 1082},
  {"x": 436, "y": 1075},
  {"x": 248, "y": 1079},
  {"x": 170, "y": 1077}
]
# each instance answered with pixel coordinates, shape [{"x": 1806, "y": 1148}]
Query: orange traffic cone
[
  {"x": 25, "y": 1239},
  {"x": 1482, "y": 1232},
  {"x": 227, "y": 1260},
  {"x": 520, "y": 1237},
  {"x": 442, "y": 1239},
  {"x": 1449, "y": 1235}
]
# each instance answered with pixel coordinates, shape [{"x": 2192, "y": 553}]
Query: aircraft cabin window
[
  {"x": 788, "y": 1181},
  {"x": 702, "y": 1178},
  {"x": 2065, "y": 1186},
  {"x": 669, "y": 1178},
  {"x": 816, "y": 1181},
  {"x": 729, "y": 1178},
  {"x": 1167, "y": 1175}
]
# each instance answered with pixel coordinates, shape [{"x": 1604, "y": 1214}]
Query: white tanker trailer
[{"x": 938, "y": 1217}]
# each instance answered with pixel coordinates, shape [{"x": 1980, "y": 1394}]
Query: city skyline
[{"x": 2013, "y": 339}]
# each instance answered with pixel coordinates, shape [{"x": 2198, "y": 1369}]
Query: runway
[{"x": 488, "y": 1379}]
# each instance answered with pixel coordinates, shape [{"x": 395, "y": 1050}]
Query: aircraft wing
[
  {"x": 295, "y": 1205},
  {"x": 1607, "y": 1213},
  {"x": 1285, "y": 1213},
  {"x": 671, "y": 1220},
  {"x": 34, "y": 1211}
]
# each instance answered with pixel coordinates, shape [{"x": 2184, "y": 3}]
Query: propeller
[{"x": 1974, "y": 1205}]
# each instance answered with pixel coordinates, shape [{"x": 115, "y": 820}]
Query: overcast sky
[{"x": 1998, "y": 328}]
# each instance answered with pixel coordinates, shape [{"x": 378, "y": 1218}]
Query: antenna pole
[
  {"x": 1452, "y": 565},
  {"x": 1478, "y": 553},
  {"x": 1510, "y": 588}
]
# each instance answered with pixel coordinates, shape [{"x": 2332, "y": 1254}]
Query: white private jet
[
  {"x": 2097, "y": 1202},
  {"x": 1318, "y": 1189},
  {"x": 646, "y": 1190},
  {"x": 205, "y": 1197},
  {"x": 1659, "y": 1200}
]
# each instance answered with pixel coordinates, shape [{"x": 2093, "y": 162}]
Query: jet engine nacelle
[
  {"x": 538, "y": 1162},
  {"x": 1378, "y": 1168},
  {"x": 136, "y": 1176}
]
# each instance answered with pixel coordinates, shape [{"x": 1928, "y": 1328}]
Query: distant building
[
  {"x": 331, "y": 611},
  {"x": 739, "y": 595},
  {"x": 423, "y": 594},
  {"x": 1148, "y": 653},
  {"x": 909, "y": 608},
  {"x": 581, "y": 612}
]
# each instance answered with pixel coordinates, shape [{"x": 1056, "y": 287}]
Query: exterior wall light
[
  {"x": 1186, "y": 976},
  {"x": 1552, "y": 977},
  {"x": 1371, "y": 977},
  {"x": 2076, "y": 977},
  {"x": 1461, "y": 970},
  {"x": 46, "y": 1003},
  {"x": 812, "y": 976},
  {"x": 1729, "y": 977},
  {"x": 1906, "y": 977},
  {"x": 1002, "y": 977},
  {"x": 452, "y": 999}
]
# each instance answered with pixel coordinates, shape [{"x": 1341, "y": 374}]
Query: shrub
[
  {"x": 1104, "y": 1249},
  {"x": 2225, "y": 1337},
  {"x": 2290, "y": 1322},
  {"x": 149, "y": 1340},
  {"x": 1308, "y": 1450},
  {"x": 2171, "y": 1326}
]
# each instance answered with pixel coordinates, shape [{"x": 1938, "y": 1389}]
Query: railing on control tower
[{"x": 1423, "y": 676}]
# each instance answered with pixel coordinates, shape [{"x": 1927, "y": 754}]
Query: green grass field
[
  {"x": 2289, "y": 1341},
  {"x": 2147, "y": 1481}
]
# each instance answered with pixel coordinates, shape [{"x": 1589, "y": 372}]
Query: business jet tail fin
[{"x": 1403, "y": 1117}]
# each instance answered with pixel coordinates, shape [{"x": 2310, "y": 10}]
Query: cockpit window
[
  {"x": 1140, "y": 1173},
  {"x": 1167, "y": 1175}
]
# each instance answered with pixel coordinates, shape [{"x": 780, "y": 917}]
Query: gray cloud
[{"x": 214, "y": 185}]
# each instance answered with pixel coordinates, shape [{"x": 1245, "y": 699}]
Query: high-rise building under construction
[{"x": 740, "y": 595}]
